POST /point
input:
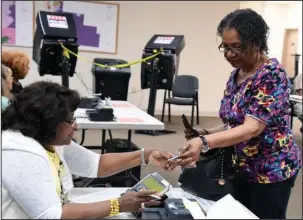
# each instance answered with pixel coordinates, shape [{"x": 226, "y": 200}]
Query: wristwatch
[{"x": 205, "y": 146}]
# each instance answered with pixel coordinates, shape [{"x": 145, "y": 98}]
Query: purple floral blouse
[{"x": 273, "y": 156}]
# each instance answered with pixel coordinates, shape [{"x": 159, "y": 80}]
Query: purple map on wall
[
  {"x": 87, "y": 35},
  {"x": 9, "y": 21}
]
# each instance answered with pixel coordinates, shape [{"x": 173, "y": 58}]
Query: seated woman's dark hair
[
  {"x": 251, "y": 27},
  {"x": 39, "y": 109}
]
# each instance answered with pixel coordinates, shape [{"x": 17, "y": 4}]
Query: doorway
[{"x": 290, "y": 47}]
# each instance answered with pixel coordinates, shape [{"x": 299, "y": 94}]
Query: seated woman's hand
[
  {"x": 135, "y": 201},
  {"x": 160, "y": 158}
]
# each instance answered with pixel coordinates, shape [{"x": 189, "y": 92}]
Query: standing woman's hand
[
  {"x": 190, "y": 152},
  {"x": 194, "y": 132}
]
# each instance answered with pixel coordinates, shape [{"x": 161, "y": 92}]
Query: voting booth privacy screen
[
  {"x": 111, "y": 82},
  {"x": 52, "y": 30},
  {"x": 172, "y": 46}
]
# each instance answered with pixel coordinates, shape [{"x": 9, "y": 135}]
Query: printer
[
  {"x": 171, "y": 208},
  {"x": 97, "y": 109}
]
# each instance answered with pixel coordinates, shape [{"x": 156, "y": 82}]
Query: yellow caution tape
[{"x": 67, "y": 51}]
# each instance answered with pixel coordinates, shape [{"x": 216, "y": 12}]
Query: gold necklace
[{"x": 53, "y": 156}]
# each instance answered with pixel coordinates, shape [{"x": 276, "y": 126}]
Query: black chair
[
  {"x": 184, "y": 92},
  {"x": 292, "y": 114}
]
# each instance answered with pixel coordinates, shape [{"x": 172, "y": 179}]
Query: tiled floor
[{"x": 174, "y": 141}]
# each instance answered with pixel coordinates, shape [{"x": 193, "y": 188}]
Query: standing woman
[
  {"x": 6, "y": 86},
  {"x": 18, "y": 62},
  {"x": 255, "y": 118}
]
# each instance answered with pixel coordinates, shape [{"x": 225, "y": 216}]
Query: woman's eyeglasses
[
  {"x": 235, "y": 50},
  {"x": 71, "y": 122}
]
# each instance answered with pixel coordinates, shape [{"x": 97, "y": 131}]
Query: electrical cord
[
  {"x": 141, "y": 99},
  {"x": 89, "y": 90},
  {"x": 141, "y": 96}
]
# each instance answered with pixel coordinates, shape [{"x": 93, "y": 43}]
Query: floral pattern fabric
[{"x": 272, "y": 156}]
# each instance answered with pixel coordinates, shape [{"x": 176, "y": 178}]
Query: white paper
[
  {"x": 179, "y": 193},
  {"x": 194, "y": 209},
  {"x": 229, "y": 208}
]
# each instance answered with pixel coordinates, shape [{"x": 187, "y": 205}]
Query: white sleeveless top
[{"x": 29, "y": 178}]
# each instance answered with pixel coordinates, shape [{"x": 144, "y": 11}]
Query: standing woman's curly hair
[
  {"x": 251, "y": 27},
  {"x": 17, "y": 61},
  {"x": 39, "y": 109}
]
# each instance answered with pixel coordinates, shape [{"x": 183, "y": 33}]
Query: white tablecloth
[
  {"x": 87, "y": 195},
  {"x": 129, "y": 117}
]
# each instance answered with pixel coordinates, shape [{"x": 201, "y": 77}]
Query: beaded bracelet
[{"x": 114, "y": 207}]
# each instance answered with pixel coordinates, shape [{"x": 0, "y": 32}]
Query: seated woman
[
  {"x": 18, "y": 62},
  {"x": 39, "y": 157},
  {"x": 6, "y": 86}
]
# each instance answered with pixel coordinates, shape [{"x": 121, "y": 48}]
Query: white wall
[
  {"x": 257, "y": 6},
  {"x": 294, "y": 20},
  {"x": 139, "y": 21},
  {"x": 280, "y": 17},
  {"x": 275, "y": 15}
]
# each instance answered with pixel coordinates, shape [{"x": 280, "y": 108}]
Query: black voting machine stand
[
  {"x": 54, "y": 29},
  {"x": 159, "y": 72}
]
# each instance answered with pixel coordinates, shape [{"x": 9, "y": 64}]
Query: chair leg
[
  {"x": 169, "y": 110},
  {"x": 169, "y": 113},
  {"x": 291, "y": 116},
  {"x": 192, "y": 114},
  {"x": 291, "y": 121},
  {"x": 110, "y": 135},
  {"x": 197, "y": 108},
  {"x": 163, "y": 107}
]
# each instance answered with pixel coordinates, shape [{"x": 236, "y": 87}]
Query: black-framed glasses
[
  {"x": 235, "y": 50},
  {"x": 71, "y": 122}
]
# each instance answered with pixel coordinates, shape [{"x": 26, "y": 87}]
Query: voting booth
[
  {"x": 159, "y": 72},
  {"x": 111, "y": 82},
  {"x": 168, "y": 60},
  {"x": 52, "y": 31}
]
